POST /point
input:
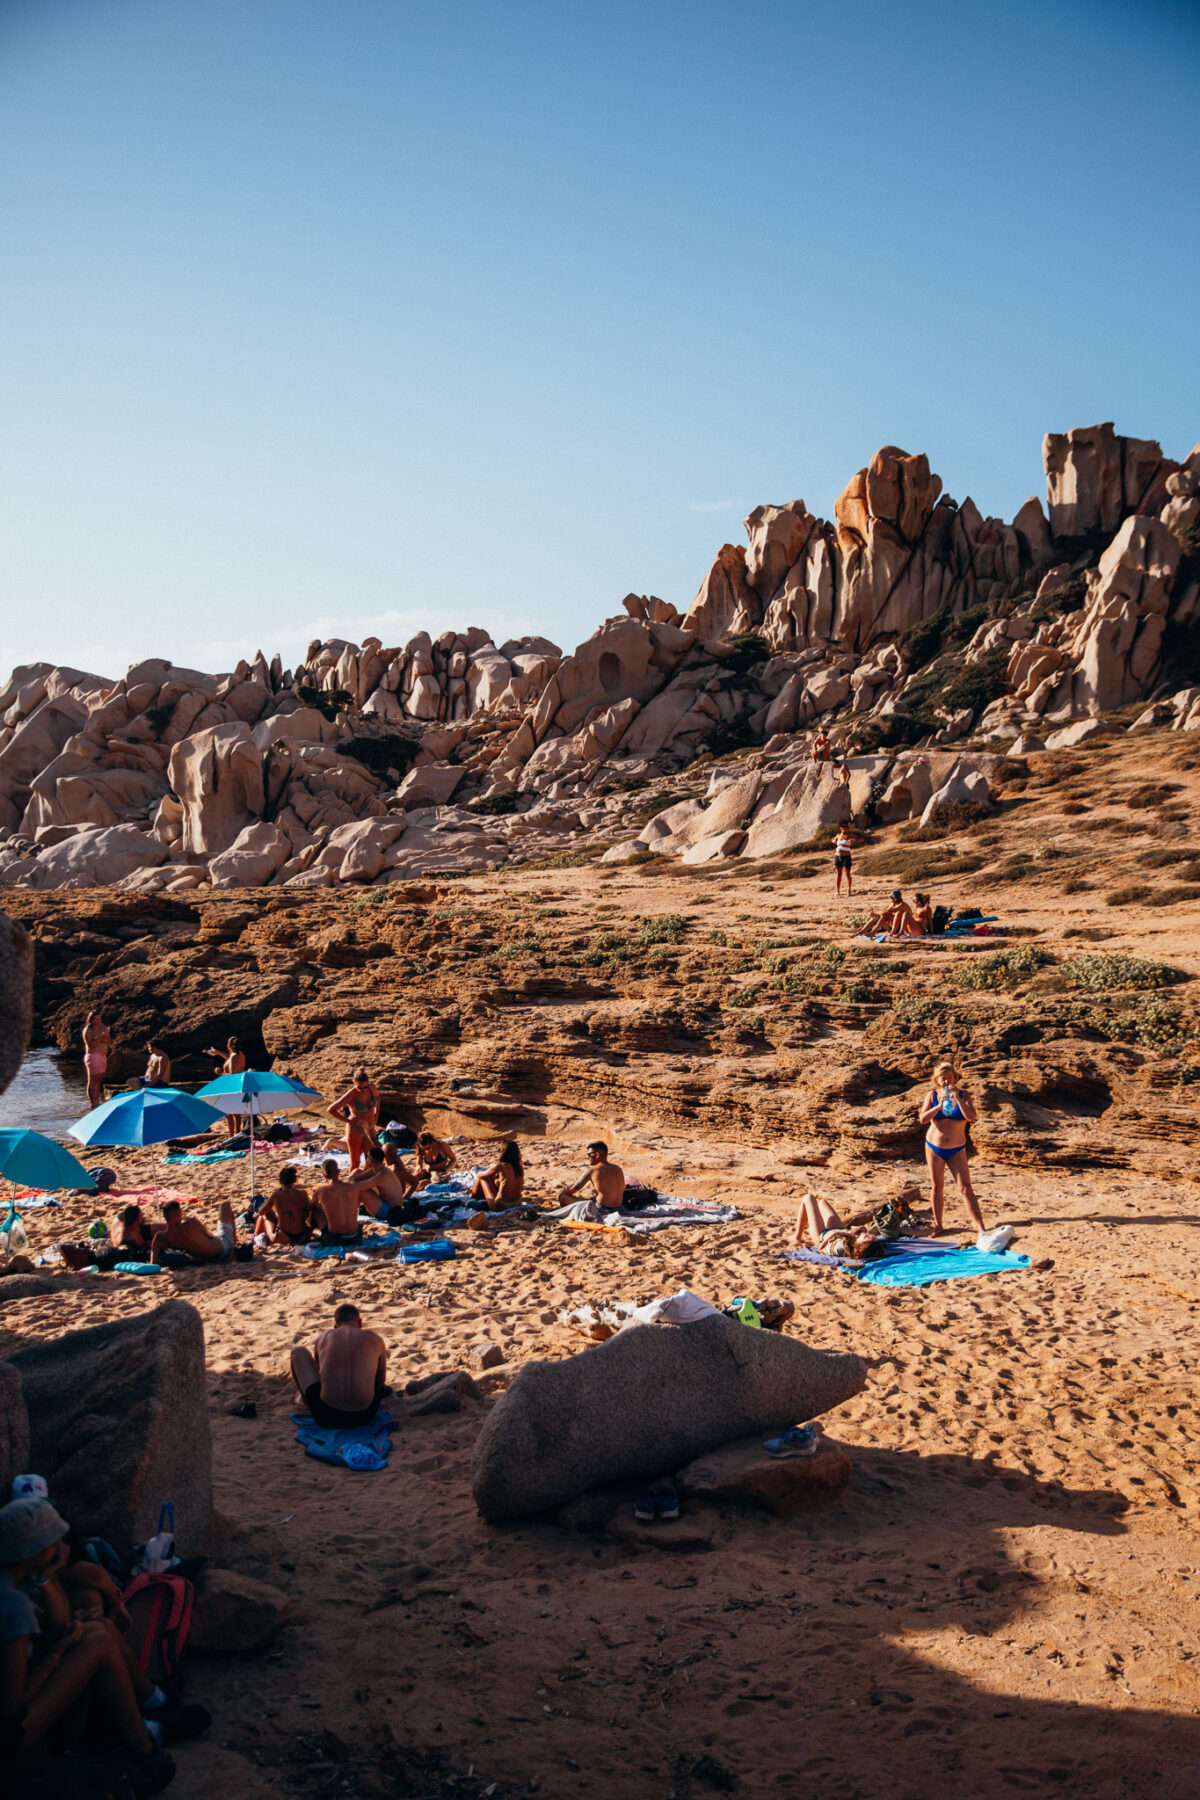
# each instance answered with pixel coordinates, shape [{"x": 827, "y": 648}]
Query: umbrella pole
[{"x": 250, "y": 1128}]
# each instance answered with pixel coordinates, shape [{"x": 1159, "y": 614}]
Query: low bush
[
  {"x": 917, "y": 1009},
  {"x": 1151, "y": 795},
  {"x": 1130, "y": 895},
  {"x": 328, "y": 701},
  {"x": 1110, "y": 969},
  {"x": 1173, "y": 896},
  {"x": 1075, "y": 884},
  {"x": 493, "y": 806},
  {"x": 1001, "y": 968}
]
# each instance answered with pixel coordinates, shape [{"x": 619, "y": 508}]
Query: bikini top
[{"x": 953, "y": 1111}]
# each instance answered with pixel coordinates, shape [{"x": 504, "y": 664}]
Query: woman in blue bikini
[{"x": 945, "y": 1115}]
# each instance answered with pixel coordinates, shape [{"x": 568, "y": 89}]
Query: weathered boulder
[
  {"x": 964, "y": 786},
  {"x": 726, "y": 603},
  {"x": 119, "y": 1422},
  {"x": 255, "y": 855},
  {"x": 1081, "y": 732},
  {"x": 14, "y": 1428},
  {"x": 649, "y": 1400},
  {"x": 744, "y": 1474},
  {"x": 94, "y": 859},
  {"x": 16, "y": 996},
  {"x": 628, "y": 852},
  {"x": 794, "y": 807},
  {"x": 235, "y": 1614},
  {"x": 1094, "y": 479},
  {"x": 431, "y": 785},
  {"x": 217, "y": 776}
]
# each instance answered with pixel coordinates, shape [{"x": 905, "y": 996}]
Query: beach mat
[
  {"x": 920, "y": 1269},
  {"x": 364, "y": 1448}
]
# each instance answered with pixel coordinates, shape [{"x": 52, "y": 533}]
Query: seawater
[{"x": 47, "y": 1094}]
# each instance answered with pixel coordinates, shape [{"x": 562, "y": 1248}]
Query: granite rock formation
[{"x": 908, "y": 621}]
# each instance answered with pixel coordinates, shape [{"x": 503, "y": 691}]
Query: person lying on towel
[{"x": 344, "y": 1380}]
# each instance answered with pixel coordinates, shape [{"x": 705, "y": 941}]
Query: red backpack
[{"x": 160, "y": 1611}]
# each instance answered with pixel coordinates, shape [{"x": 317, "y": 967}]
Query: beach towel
[
  {"x": 917, "y": 1269},
  {"x": 149, "y": 1195},
  {"x": 30, "y": 1199},
  {"x": 436, "y": 1250},
  {"x": 817, "y": 1257},
  {"x": 208, "y": 1156},
  {"x": 361, "y": 1447},
  {"x": 369, "y": 1240},
  {"x": 312, "y": 1159},
  {"x": 668, "y": 1209}
]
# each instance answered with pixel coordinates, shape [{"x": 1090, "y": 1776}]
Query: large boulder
[
  {"x": 236, "y": 1613},
  {"x": 645, "y": 1403},
  {"x": 16, "y": 996},
  {"x": 14, "y": 1428},
  {"x": 217, "y": 776},
  {"x": 95, "y": 859},
  {"x": 1094, "y": 479},
  {"x": 119, "y": 1424},
  {"x": 255, "y": 855},
  {"x": 793, "y": 809}
]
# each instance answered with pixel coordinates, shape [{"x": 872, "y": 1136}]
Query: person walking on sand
[
  {"x": 344, "y": 1379},
  {"x": 97, "y": 1039},
  {"x": 843, "y": 858},
  {"x": 358, "y": 1110},
  {"x": 946, "y": 1114}
]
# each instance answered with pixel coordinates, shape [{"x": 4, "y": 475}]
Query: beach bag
[
  {"x": 438, "y": 1250},
  {"x": 160, "y": 1613},
  {"x": 940, "y": 920}
]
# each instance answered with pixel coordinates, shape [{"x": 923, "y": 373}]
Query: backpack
[
  {"x": 160, "y": 1611},
  {"x": 940, "y": 920}
]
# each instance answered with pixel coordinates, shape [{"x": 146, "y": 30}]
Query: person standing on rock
[
  {"x": 946, "y": 1113},
  {"x": 232, "y": 1061},
  {"x": 343, "y": 1382},
  {"x": 97, "y": 1039},
  {"x": 358, "y": 1110}
]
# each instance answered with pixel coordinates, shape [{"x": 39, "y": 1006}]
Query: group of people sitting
[
  {"x": 898, "y": 919},
  {"x": 71, "y": 1683}
]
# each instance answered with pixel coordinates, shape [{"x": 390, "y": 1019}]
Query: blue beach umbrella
[
  {"x": 31, "y": 1160},
  {"x": 254, "y": 1090},
  {"x": 145, "y": 1116}
]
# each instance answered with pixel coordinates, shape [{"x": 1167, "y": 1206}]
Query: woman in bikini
[
  {"x": 358, "y": 1108},
  {"x": 947, "y": 1112},
  {"x": 831, "y": 1236},
  {"x": 502, "y": 1185},
  {"x": 843, "y": 853}
]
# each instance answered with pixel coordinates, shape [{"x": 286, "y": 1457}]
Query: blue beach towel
[
  {"x": 209, "y": 1156},
  {"x": 949, "y": 1265},
  {"x": 437, "y": 1250},
  {"x": 382, "y": 1240},
  {"x": 361, "y": 1447}
]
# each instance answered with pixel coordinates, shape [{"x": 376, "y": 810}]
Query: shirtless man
[
  {"x": 384, "y": 1192},
  {"x": 607, "y": 1180},
  {"x": 158, "y": 1066},
  {"x": 97, "y": 1038},
  {"x": 130, "y": 1233},
  {"x": 343, "y": 1383},
  {"x": 335, "y": 1207},
  {"x": 435, "y": 1158},
  {"x": 231, "y": 1061},
  {"x": 189, "y": 1235},
  {"x": 286, "y": 1218}
]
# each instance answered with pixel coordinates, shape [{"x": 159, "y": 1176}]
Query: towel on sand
[
  {"x": 149, "y": 1195},
  {"x": 206, "y": 1156},
  {"x": 668, "y": 1209},
  {"x": 920, "y": 1268},
  {"x": 362, "y": 1447},
  {"x": 369, "y": 1240}
]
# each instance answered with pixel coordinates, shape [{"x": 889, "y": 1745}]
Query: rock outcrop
[
  {"x": 643, "y": 1404},
  {"x": 908, "y": 620}
]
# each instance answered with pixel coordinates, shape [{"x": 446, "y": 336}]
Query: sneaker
[
  {"x": 801, "y": 1440},
  {"x": 644, "y": 1503},
  {"x": 668, "y": 1503}
]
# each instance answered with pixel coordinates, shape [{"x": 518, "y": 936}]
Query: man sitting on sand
[
  {"x": 286, "y": 1218},
  {"x": 344, "y": 1382},
  {"x": 894, "y": 919},
  {"x": 607, "y": 1181},
  {"x": 190, "y": 1237},
  {"x": 383, "y": 1191},
  {"x": 335, "y": 1208}
]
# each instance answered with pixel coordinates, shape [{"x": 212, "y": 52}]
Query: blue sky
[{"x": 331, "y": 317}]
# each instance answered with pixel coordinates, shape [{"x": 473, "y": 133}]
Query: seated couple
[
  {"x": 864, "y": 1238},
  {"x": 181, "y": 1241},
  {"x": 343, "y": 1380},
  {"x": 898, "y": 919},
  {"x": 383, "y": 1188}
]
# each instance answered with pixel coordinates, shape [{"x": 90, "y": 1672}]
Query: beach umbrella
[
  {"x": 145, "y": 1116},
  {"x": 31, "y": 1160},
  {"x": 256, "y": 1090}
]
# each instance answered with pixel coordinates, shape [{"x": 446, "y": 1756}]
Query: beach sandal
[
  {"x": 668, "y": 1501},
  {"x": 644, "y": 1504},
  {"x": 800, "y": 1440}
]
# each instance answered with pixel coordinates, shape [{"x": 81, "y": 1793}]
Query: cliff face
[{"x": 908, "y": 622}]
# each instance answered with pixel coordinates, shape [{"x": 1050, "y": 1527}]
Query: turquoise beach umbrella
[
  {"x": 254, "y": 1090},
  {"x": 145, "y": 1116},
  {"x": 31, "y": 1160}
]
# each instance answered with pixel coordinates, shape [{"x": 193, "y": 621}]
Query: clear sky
[{"x": 332, "y": 317}]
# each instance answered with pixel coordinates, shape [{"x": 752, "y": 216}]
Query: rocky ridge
[{"x": 909, "y": 622}]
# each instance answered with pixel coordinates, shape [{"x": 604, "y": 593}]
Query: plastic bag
[{"x": 14, "y": 1239}]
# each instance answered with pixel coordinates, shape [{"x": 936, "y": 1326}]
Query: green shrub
[
  {"x": 1001, "y": 968},
  {"x": 493, "y": 805},
  {"x": 1107, "y": 970},
  {"x": 328, "y": 701},
  {"x": 1075, "y": 884},
  {"x": 1060, "y": 600},
  {"x": 667, "y": 928},
  {"x": 917, "y": 1009},
  {"x": 748, "y": 650},
  {"x": 718, "y": 937},
  {"x": 942, "y": 632}
]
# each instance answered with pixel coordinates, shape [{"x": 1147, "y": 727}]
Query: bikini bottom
[{"x": 946, "y": 1152}]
